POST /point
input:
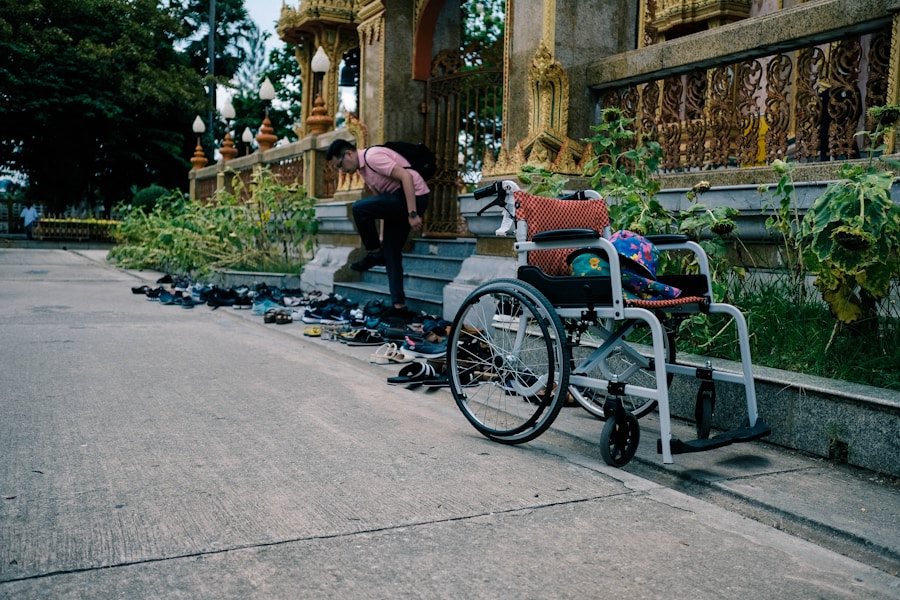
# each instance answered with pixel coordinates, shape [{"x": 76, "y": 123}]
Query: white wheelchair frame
[{"x": 523, "y": 383}]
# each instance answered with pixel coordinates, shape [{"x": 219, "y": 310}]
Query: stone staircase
[{"x": 431, "y": 264}]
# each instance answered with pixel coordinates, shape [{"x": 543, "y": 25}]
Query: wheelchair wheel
[
  {"x": 506, "y": 361},
  {"x": 629, "y": 361},
  {"x": 619, "y": 439}
]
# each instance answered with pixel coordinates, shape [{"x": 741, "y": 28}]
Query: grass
[{"x": 796, "y": 332}]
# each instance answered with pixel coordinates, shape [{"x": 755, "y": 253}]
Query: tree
[
  {"x": 97, "y": 97},
  {"x": 233, "y": 27}
]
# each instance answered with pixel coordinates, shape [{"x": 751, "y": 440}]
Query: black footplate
[{"x": 735, "y": 436}]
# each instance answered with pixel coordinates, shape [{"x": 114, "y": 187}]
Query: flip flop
[
  {"x": 382, "y": 355},
  {"x": 413, "y": 374},
  {"x": 467, "y": 378},
  {"x": 312, "y": 331}
]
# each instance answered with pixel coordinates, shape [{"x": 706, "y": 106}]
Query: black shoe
[{"x": 370, "y": 260}]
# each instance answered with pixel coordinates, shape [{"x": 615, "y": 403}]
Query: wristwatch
[{"x": 413, "y": 214}]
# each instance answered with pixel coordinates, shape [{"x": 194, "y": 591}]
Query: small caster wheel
[
  {"x": 703, "y": 410},
  {"x": 619, "y": 439}
]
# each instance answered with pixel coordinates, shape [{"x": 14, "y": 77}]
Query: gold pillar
[{"x": 893, "y": 93}]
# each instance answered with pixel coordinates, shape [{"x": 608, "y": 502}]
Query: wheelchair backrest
[{"x": 549, "y": 214}]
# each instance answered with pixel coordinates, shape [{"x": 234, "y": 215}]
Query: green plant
[
  {"x": 851, "y": 234},
  {"x": 784, "y": 221},
  {"x": 710, "y": 227},
  {"x": 274, "y": 230},
  {"x": 624, "y": 173},
  {"x": 838, "y": 449},
  {"x": 146, "y": 198},
  {"x": 542, "y": 182}
]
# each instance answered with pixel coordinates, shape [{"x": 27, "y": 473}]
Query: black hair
[{"x": 337, "y": 148}]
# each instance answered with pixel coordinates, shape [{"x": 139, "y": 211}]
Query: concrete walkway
[{"x": 154, "y": 452}]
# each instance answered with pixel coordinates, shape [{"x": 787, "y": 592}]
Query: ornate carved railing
[
  {"x": 804, "y": 105},
  {"x": 287, "y": 163}
]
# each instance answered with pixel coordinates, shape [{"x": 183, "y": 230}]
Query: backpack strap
[{"x": 366, "y": 151}]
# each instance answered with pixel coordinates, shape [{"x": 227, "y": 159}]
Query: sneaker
[
  {"x": 423, "y": 348},
  {"x": 372, "y": 259}
]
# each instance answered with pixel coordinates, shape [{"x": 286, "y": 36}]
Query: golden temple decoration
[
  {"x": 346, "y": 181},
  {"x": 549, "y": 89},
  {"x": 546, "y": 146},
  {"x": 297, "y": 25},
  {"x": 893, "y": 92},
  {"x": 672, "y": 15},
  {"x": 371, "y": 23}
]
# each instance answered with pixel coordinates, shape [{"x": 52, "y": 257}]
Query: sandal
[
  {"x": 398, "y": 356},
  {"x": 312, "y": 331},
  {"x": 366, "y": 337},
  {"x": 382, "y": 355},
  {"x": 413, "y": 374},
  {"x": 283, "y": 318}
]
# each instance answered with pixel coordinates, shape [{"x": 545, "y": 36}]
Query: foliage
[
  {"x": 274, "y": 230},
  {"x": 145, "y": 199},
  {"x": 541, "y": 182},
  {"x": 851, "y": 233},
  {"x": 233, "y": 25},
  {"x": 711, "y": 228},
  {"x": 483, "y": 21},
  {"x": 784, "y": 222},
  {"x": 624, "y": 173},
  {"x": 795, "y": 334},
  {"x": 99, "y": 96}
]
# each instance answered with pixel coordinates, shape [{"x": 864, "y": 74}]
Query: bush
[
  {"x": 147, "y": 198},
  {"x": 273, "y": 231}
]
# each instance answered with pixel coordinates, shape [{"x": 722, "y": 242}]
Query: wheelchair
[{"x": 519, "y": 348}]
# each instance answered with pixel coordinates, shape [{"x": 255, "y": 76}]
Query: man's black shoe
[{"x": 370, "y": 260}]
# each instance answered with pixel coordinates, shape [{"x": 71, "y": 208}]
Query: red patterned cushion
[{"x": 547, "y": 214}]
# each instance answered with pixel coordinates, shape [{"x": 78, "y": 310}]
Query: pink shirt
[{"x": 377, "y": 161}]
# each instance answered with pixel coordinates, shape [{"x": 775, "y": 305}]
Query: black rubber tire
[
  {"x": 619, "y": 439},
  {"x": 703, "y": 413},
  {"x": 505, "y": 343}
]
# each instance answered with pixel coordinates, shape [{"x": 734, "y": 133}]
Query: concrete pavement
[{"x": 154, "y": 452}]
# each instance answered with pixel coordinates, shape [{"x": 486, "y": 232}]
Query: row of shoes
[{"x": 376, "y": 323}]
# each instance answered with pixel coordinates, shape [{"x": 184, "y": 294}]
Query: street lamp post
[
  {"x": 266, "y": 136},
  {"x": 319, "y": 121},
  {"x": 228, "y": 151},
  {"x": 199, "y": 159},
  {"x": 247, "y": 138}
]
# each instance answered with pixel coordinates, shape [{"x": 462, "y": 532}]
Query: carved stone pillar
[
  {"x": 390, "y": 99},
  {"x": 547, "y": 104}
]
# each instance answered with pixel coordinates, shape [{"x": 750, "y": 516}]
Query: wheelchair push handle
[
  {"x": 488, "y": 190},
  {"x": 502, "y": 192}
]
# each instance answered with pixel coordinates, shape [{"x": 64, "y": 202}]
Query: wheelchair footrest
[{"x": 735, "y": 436}]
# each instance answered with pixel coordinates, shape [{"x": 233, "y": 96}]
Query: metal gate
[{"x": 464, "y": 109}]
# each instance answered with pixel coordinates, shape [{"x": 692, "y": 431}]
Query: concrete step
[
  {"x": 364, "y": 292},
  {"x": 429, "y": 266},
  {"x": 460, "y": 248}
]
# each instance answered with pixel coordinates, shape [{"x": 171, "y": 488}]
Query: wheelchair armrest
[
  {"x": 667, "y": 238},
  {"x": 561, "y": 235}
]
